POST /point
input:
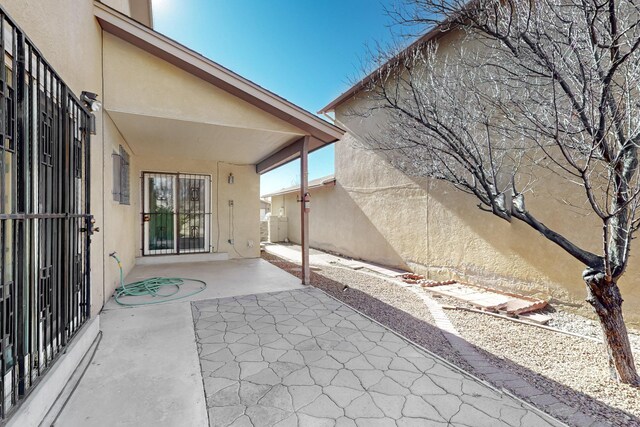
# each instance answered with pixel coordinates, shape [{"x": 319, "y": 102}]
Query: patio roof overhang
[
  {"x": 164, "y": 97},
  {"x": 326, "y": 181}
]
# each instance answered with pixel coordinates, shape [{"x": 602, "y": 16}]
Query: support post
[{"x": 304, "y": 214}]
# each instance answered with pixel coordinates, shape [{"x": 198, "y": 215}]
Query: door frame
[
  {"x": 176, "y": 214},
  {"x": 145, "y": 209}
]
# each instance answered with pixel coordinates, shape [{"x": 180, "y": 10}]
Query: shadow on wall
[
  {"x": 455, "y": 237},
  {"x": 482, "y": 248},
  {"x": 511, "y": 255},
  {"x": 349, "y": 230},
  {"x": 490, "y": 246},
  {"x": 439, "y": 230},
  {"x": 436, "y": 229},
  {"x": 337, "y": 223},
  {"x": 452, "y": 237}
]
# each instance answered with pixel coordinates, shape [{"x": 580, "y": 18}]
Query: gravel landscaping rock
[
  {"x": 572, "y": 369},
  {"x": 393, "y": 306},
  {"x": 581, "y": 325}
]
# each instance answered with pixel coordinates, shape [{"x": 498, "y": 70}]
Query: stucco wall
[
  {"x": 120, "y": 220},
  {"x": 70, "y": 38},
  {"x": 338, "y": 224},
  {"x": 437, "y": 230},
  {"x": 138, "y": 82},
  {"x": 119, "y": 5},
  {"x": 126, "y": 226},
  {"x": 378, "y": 214}
]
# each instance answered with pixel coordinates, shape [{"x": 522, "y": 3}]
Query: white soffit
[{"x": 158, "y": 136}]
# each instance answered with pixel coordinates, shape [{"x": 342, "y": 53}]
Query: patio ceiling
[
  {"x": 150, "y": 135},
  {"x": 166, "y": 98}
]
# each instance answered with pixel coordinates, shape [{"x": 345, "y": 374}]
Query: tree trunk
[{"x": 604, "y": 296}]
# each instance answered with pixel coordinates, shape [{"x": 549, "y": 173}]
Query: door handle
[{"x": 146, "y": 218}]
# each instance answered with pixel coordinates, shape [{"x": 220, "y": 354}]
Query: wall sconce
[
  {"x": 91, "y": 100},
  {"x": 230, "y": 178}
]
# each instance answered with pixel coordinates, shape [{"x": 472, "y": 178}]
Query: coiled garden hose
[{"x": 152, "y": 287}]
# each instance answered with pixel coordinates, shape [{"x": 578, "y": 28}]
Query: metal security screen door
[
  {"x": 177, "y": 213},
  {"x": 44, "y": 216}
]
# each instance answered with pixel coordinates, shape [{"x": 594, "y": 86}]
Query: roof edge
[
  {"x": 325, "y": 181},
  {"x": 189, "y": 60},
  {"x": 356, "y": 88}
]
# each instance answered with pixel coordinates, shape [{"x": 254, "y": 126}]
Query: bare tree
[{"x": 525, "y": 89}]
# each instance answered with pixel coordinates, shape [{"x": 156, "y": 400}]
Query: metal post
[{"x": 304, "y": 214}]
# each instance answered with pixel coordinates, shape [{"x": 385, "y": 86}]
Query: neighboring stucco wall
[
  {"x": 437, "y": 230},
  {"x": 338, "y": 224},
  {"x": 377, "y": 213},
  {"x": 70, "y": 39}
]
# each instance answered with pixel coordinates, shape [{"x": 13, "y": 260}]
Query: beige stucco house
[
  {"x": 265, "y": 208},
  {"x": 374, "y": 212},
  {"x": 167, "y": 168},
  {"x": 284, "y": 211}
]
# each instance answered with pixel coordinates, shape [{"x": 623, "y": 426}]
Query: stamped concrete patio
[
  {"x": 301, "y": 358},
  {"x": 258, "y": 349},
  {"x": 146, "y": 371}
]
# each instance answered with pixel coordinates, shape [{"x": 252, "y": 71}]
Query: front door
[{"x": 177, "y": 215}]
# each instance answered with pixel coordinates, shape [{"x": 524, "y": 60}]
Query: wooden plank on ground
[{"x": 540, "y": 319}]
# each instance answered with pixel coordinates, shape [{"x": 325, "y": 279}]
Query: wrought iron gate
[
  {"x": 44, "y": 215},
  {"x": 176, "y": 215}
]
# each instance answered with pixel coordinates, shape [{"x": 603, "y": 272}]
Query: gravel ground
[
  {"x": 581, "y": 325},
  {"x": 395, "y": 307},
  {"x": 570, "y": 368},
  {"x": 560, "y": 319}
]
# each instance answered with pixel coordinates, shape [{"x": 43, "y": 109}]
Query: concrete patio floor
[
  {"x": 146, "y": 370},
  {"x": 235, "y": 355},
  {"x": 223, "y": 278},
  {"x": 302, "y": 358}
]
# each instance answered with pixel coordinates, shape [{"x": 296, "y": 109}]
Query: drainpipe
[{"x": 304, "y": 208}]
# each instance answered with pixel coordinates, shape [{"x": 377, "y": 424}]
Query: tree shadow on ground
[{"x": 433, "y": 339}]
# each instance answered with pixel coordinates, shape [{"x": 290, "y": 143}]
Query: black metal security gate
[
  {"x": 44, "y": 215},
  {"x": 176, "y": 215}
]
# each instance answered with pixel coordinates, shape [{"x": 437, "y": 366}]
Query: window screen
[
  {"x": 121, "y": 182},
  {"x": 124, "y": 176}
]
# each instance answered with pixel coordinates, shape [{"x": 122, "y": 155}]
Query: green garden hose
[{"x": 153, "y": 287}]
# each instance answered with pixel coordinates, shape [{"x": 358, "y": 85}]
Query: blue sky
[{"x": 304, "y": 50}]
